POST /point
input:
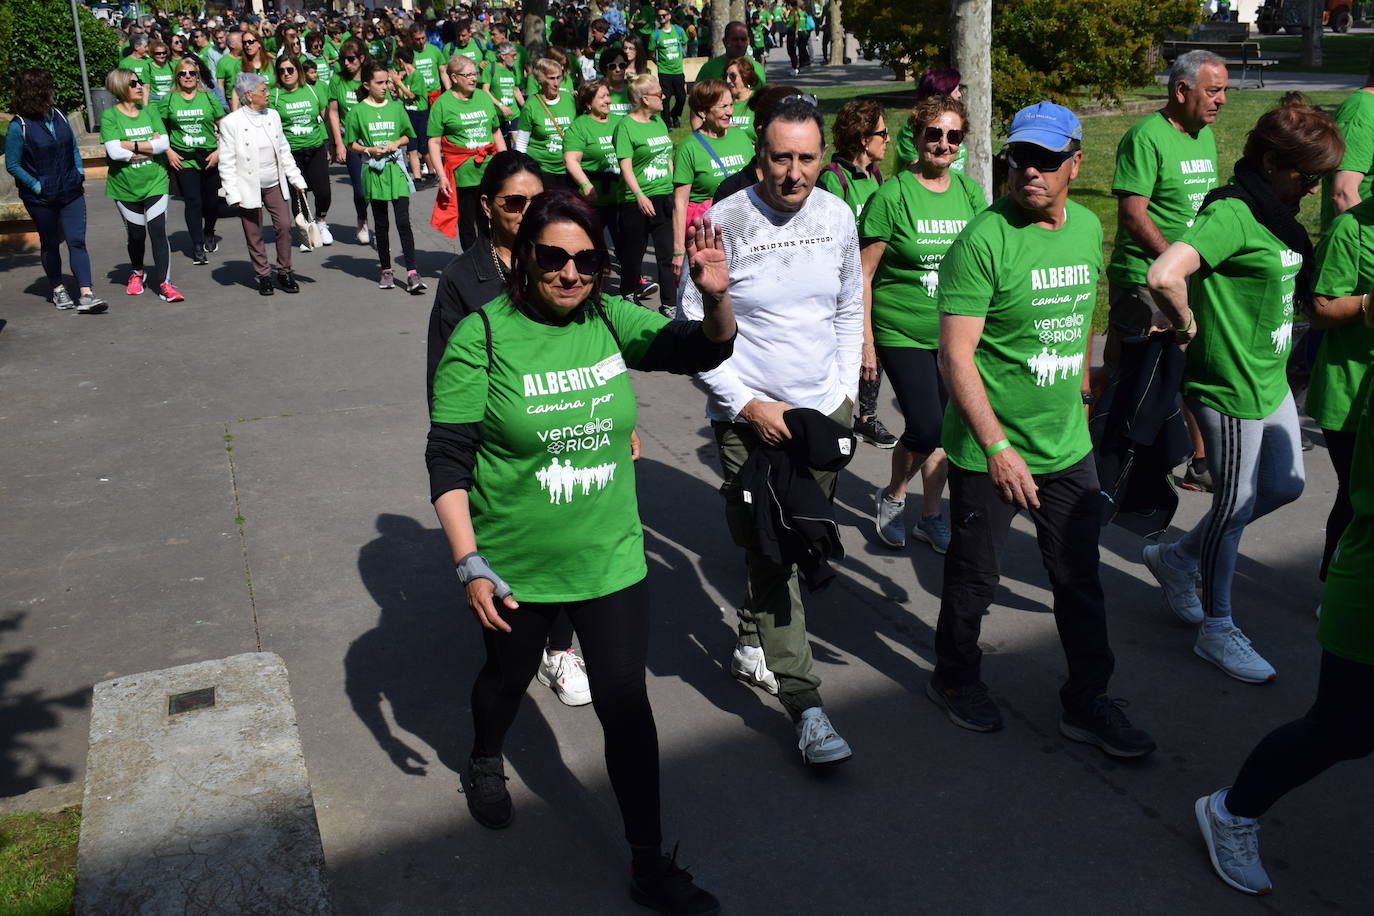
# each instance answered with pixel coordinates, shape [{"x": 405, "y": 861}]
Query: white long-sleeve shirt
[{"x": 797, "y": 291}]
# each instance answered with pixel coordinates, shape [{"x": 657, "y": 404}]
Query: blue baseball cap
[{"x": 1045, "y": 124}]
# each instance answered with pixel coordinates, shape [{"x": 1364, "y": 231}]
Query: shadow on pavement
[{"x": 23, "y": 765}]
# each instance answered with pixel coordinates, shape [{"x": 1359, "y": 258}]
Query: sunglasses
[
  {"x": 135, "y": 82},
  {"x": 933, "y": 135},
  {"x": 288, "y": 70},
  {"x": 185, "y": 73},
  {"x": 159, "y": 53},
  {"x": 1309, "y": 180},
  {"x": 885, "y": 135},
  {"x": 1030, "y": 156},
  {"x": 513, "y": 203},
  {"x": 617, "y": 65},
  {"x": 349, "y": 57},
  {"x": 552, "y": 259},
  {"x": 250, "y": 41}
]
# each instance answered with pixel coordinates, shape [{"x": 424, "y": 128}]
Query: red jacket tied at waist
[{"x": 445, "y": 215}]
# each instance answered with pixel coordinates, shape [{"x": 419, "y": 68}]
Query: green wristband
[{"x": 996, "y": 447}]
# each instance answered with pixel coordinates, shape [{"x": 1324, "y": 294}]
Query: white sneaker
[
  {"x": 1233, "y": 846},
  {"x": 326, "y": 237},
  {"x": 818, "y": 741},
  {"x": 890, "y": 518},
  {"x": 1230, "y": 650},
  {"x": 363, "y": 235},
  {"x": 566, "y": 675},
  {"x": 748, "y": 664},
  {"x": 1180, "y": 588},
  {"x": 305, "y": 246}
]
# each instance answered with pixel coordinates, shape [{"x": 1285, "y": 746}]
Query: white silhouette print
[
  {"x": 1047, "y": 363},
  {"x": 930, "y": 279},
  {"x": 1282, "y": 336},
  {"x": 562, "y": 479}
]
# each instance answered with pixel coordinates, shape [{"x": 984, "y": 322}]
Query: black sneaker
[
  {"x": 287, "y": 281},
  {"x": 874, "y": 432},
  {"x": 668, "y": 888},
  {"x": 646, "y": 289},
  {"x": 211, "y": 242},
  {"x": 967, "y": 707},
  {"x": 1198, "y": 476},
  {"x": 485, "y": 786},
  {"x": 265, "y": 286},
  {"x": 198, "y": 256},
  {"x": 1105, "y": 725}
]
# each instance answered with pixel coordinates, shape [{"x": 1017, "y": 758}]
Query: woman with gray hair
[{"x": 255, "y": 169}]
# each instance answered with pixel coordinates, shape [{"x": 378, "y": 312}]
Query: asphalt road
[{"x": 187, "y": 481}]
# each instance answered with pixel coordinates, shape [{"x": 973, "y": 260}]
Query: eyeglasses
[
  {"x": 885, "y": 135},
  {"x": 552, "y": 259},
  {"x": 1030, "y": 156},
  {"x": 934, "y": 134},
  {"x": 287, "y": 70},
  {"x": 467, "y": 73},
  {"x": 514, "y": 203}
]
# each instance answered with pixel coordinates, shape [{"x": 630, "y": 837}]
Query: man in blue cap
[{"x": 1017, "y": 290}]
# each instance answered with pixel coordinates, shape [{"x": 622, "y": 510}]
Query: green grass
[
  {"x": 1340, "y": 53},
  {"x": 38, "y": 862}
]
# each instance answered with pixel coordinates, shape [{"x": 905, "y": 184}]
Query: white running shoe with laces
[
  {"x": 566, "y": 675},
  {"x": 748, "y": 664},
  {"x": 1180, "y": 588},
  {"x": 1233, "y": 846},
  {"x": 326, "y": 237},
  {"x": 818, "y": 741},
  {"x": 1230, "y": 650}
]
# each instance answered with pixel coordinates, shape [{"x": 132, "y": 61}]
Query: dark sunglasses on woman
[
  {"x": 933, "y": 135},
  {"x": 588, "y": 261}
]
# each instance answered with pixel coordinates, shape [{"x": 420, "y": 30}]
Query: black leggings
[
  {"x": 614, "y": 633},
  {"x": 467, "y": 215},
  {"x": 1341, "y": 448},
  {"x": 674, "y": 89},
  {"x": 381, "y": 231},
  {"x": 1339, "y": 726},
  {"x": 561, "y": 633},
  {"x": 314, "y": 165},
  {"x": 199, "y": 190},
  {"x": 355, "y": 178},
  {"x": 635, "y": 231},
  {"x": 146, "y": 220},
  {"x": 920, "y": 392}
]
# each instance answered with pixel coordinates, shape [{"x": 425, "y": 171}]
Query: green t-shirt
[
  {"x": 855, "y": 190},
  {"x": 666, "y": 48},
  {"x": 1035, "y": 288},
  {"x": 1175, "y": 171},
  {"x": 190, "y": 124},
  {"x": 742, "y": 118},
  {"x": 758, "y": 35},
  {"x": 301, "y": 111},
  {"x": 324, "y": 68},
  {"x": 650, "y": 151},
  {"x": 1346, "y": 627},
  {"x": 134, "y": 181},
  {"x": 345, "y": 92},
  {"x": 1355, "y": 118},
  {"x": 595, "y": 140},
  {"x": 620, "y": 103},
  {"x": 714, "y": 69},
  {"x": 1345, "y": 267},
  {"x": 371, "y": 125},
  {"x": 162, "y": 77},
  {"x": 1243, "y": 299},
  {"x": 227, "y": 70},
  {"x": 918, "y": 225},
  {"x": 501, "y": 81},
  {"x": 693, "y": 165},
  {"x": 468, "y": 123},
  {"x": 546, "y": 138},
  {"x": 428, "y": 63},
  {"x": 472, "y": 51},
  {"x": 141, "y": 67},
  {"x": 419, "y": 95},
  {"x": 553, "y": 468}
]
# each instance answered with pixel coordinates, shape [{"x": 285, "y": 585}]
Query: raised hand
[{"x": 706, "y": 258}]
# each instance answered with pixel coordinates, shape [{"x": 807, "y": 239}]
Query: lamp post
[{"x": 85, "y": 78}]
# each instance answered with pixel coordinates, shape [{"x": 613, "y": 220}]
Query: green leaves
[{"x": 40, "y": 34}]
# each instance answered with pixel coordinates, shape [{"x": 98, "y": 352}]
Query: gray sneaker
[
  {"x": 891, "y": 524},
  {"x": 818, "y": 741},
  {"x": 1233, "y": 846},
  {"x": 61, "y": 298},
  {"x": 934, "y": 531},
  {"x": 91, "y": 304},
  {"x": 1180, "y": 588}
]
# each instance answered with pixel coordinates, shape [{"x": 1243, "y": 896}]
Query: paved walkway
[{"x": 233, "y": 473}]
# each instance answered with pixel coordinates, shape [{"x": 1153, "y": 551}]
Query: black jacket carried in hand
[
  {"x": 1139, "y": 435},
  {"x": 792, "y": 514}
]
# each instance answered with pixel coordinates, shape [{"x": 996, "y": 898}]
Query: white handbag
[{"x": 305, "y": 221}]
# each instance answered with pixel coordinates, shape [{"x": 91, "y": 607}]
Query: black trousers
[
  {"x": 674, "y": 86},
  {"x": 314, "y": 165},
  {"x": 1341, "y": 448},
  {"x": 468, "y": 208},
  {"x": 1339, "y": 726},
  {"x": 636, "y": 228},
  {"x": 1066, "y": 526},
  {"x": 381, "y": 231},
  {"x": 614, "y": 633},
  {"x": 915, "y": 377},
  {"x": 199, "y": 193}
]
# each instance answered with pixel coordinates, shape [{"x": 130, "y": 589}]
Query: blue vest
[{"x": 49, "y": 156}]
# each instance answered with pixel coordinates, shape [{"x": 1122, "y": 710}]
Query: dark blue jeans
[{"x": 56, "y": 224}]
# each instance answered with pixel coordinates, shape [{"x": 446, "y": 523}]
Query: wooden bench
[{"x": 1243, "y": 54}]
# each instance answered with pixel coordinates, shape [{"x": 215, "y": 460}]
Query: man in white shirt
[{"x": 797, "y": 290}]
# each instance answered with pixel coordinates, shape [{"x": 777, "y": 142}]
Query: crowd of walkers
[{"x": 788, "y": 286}]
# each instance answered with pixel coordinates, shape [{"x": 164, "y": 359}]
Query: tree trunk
[
  {"x": 536, "y": 42},
  {"x": 970, "y": 44},
  {"x": 1312, "y": 34},
  {"x": 836, "y": 33},
  {"x": 720, "y": 15},
  {"x": 736, "y": 15}
]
